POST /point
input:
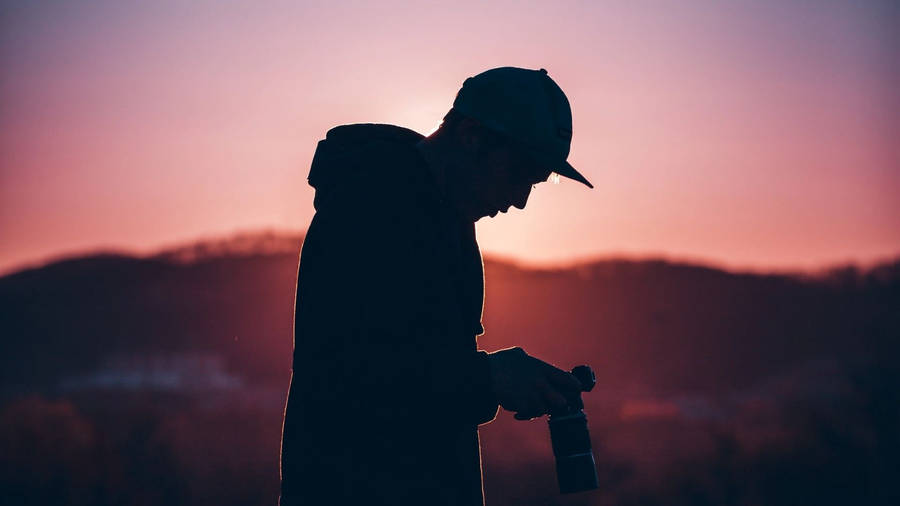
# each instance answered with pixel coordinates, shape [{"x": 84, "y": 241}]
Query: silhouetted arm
[{"x": 392, "y": 348}]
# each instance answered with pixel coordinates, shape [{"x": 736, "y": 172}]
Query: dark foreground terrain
[{"x": 161, "y": 380}]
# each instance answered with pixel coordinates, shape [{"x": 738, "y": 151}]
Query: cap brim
[
  {"x": 568, "y": 171},
  {"x": 563, "y": 169}
]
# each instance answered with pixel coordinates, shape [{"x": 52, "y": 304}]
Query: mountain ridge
[
  {"x": 272, "y": 242},
  {"x": 236, "y": 300},
  {"x": 708, "y": 380}
]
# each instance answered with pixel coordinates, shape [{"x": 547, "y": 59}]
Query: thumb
[{"x": 562, "y": 379}]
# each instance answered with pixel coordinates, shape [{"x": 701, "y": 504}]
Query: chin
[
  {"x": 488, "y": 215},
  {"x": 478, "y": 214},
  {"x": 485, "y": 211}
]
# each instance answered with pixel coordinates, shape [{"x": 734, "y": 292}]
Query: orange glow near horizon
[{"x": 753, "y": 134}]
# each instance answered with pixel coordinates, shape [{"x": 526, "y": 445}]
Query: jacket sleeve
[{"x": 370, "y": 289}]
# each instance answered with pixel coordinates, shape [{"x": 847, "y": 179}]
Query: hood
[{"x": 358, "y": 154}]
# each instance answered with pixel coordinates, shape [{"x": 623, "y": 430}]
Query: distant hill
[
  {"x": 654, "y": 323},
  {"x": 241, "y": 244},
  {"x": 161, "y": 379}
]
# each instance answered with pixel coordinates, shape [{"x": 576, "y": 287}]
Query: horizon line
[{"x": 574, "y": 262}]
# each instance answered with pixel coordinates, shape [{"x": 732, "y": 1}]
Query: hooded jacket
[{"x": 388, "y": 386}]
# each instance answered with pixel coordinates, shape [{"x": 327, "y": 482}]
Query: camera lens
[{"x": 575, "y": 467}]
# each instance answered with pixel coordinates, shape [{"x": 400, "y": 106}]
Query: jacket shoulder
[
  {"x": 367, "y": 132},
  {"x": 368, "y": 163}
]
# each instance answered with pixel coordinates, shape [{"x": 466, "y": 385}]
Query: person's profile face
[{"x": 501, "y": 178}]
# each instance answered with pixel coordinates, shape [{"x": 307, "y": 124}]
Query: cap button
[{"x": 543, "y": 71}]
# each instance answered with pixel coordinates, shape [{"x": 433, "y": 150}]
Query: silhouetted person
[{"x": 388, "y": 385}]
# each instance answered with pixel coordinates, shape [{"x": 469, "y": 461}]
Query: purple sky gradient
[{"x": 755, "y": 135}]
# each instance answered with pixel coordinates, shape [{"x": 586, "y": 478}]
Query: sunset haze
[{"x": 757, "y": 135}]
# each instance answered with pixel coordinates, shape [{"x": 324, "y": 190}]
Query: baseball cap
[{"x": 529, "y": 108}]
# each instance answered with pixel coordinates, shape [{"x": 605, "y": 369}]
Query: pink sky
[{"x": 750, "y": 134}]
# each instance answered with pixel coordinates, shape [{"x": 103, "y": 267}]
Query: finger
[
  {"x": 533, "y": 407},
  {"x": 552, "y": 398},
  {"x": 562, "y": 379},
  {"x": 529, "y": 414}
]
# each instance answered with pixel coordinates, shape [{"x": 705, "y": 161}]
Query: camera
[{"x": 575, "y": 467}]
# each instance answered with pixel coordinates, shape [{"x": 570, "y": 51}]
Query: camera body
[{"x": 576, "y": 470}]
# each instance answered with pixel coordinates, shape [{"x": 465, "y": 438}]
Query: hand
[{"x": 529, "y": 386}]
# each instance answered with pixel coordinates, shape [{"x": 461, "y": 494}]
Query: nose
[{"x": 520, "y": 196}]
